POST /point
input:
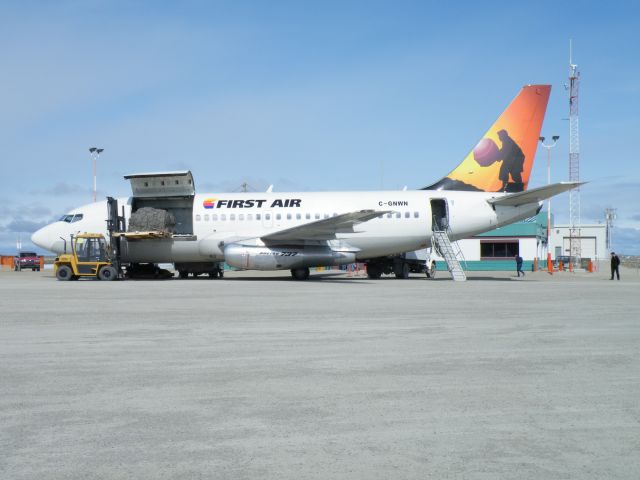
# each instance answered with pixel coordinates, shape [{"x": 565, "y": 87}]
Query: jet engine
[{"x": 283, "y": 258}]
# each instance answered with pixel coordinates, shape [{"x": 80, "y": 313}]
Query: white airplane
[{"x": 295, "y": 231}]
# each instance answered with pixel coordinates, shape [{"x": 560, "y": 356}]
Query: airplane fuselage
[{"x": 218, "y": 220}]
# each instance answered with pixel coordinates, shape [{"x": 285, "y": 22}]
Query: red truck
[{"x": 26, "y": 260}]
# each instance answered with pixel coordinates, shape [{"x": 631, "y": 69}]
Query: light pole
[
  {"x": 95, "y": 153},
  {"x": 549, "y": 147}
]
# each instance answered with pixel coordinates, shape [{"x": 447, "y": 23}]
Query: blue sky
[{"x": 325, "y": 96}]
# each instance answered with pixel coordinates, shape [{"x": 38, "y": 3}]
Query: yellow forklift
[{"x": 89, "y": 258}]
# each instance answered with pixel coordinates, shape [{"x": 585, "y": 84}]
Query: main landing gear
[{"x": 300, "y": 273}]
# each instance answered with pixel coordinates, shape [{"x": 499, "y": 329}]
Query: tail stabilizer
[
  {"x": 502, "y": 159},
  {"x": 534, "y": 195}
]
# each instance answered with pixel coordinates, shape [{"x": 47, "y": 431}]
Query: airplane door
[
  {"x": 439, "y": 215},
  {"x": 267, "y": 219}
]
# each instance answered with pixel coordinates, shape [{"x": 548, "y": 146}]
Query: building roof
[{"x": 535, "y": 226}]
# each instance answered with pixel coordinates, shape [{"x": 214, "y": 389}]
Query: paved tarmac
[{"x": 258, "y": 376}]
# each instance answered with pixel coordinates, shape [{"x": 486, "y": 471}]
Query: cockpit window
[{"x": 71, "y": 218}]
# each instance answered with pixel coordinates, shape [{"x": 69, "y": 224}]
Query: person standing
[
  {"x": 615, "y": 264},
  {"x": 519, "y": 265}
]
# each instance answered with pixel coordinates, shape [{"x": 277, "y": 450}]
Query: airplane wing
[
  {"x": 325, "y": 229},
  {"x": 533, "y": 195}
]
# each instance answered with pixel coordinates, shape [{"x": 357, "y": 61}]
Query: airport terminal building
[{"x": 495, "y": 250}]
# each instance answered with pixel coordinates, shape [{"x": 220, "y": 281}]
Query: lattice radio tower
[{"x": 574, "y": 161}]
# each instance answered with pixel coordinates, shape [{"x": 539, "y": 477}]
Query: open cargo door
[
  {"x": 169, "y": 191},
  {"x": 162, "y": 184}
]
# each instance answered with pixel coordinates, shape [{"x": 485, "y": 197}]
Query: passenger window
[
  {"x": 258, "y": 216},
  {"x": 298, "y": 216},
  {"x": 223, "y": 217},
  {"x": 241, "y": 216},
  {"x": 249, "y": 216},
  {"x": 206, "y": 218},
  {"x": 398, "y": 215},
  {"x": 214, "y": 217},
  {"x": 407, "y": 214},
  {"x": 416, "y": 214},
  {"x": 267, "y": 216},
  {"x": 335, "y": 214},
  {"x": 308, "y": 216},
  {"x": 326, "y": 215},
  {"x": 388, "y": 215},
  {"x": 278, "y": 216},
  {"x": 288, "y": 216},
  {"x": 197, "y": 218},
  {"x": 232, "y": 216},
  {"x": 317, "y": 216}
]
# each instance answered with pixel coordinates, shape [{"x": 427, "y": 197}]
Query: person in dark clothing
[
  {"x": 519, "y": 265},
  {"x": 615, "y": 263},
  {"x": 512, "y": 163}
]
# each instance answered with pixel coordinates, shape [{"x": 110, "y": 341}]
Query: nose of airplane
[
  {"x": 48, "y": 238},
  {"x": 41, "y": 238}
]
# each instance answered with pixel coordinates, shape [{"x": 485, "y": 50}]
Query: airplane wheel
[
  {"x": 64, "y": 273},
  {"x": 404, "y": 272},
  {"x": 107, "y": 274},
  {"x": 183, "y": 274},
  {"x": 213, "y": 274},
  {"x": 300, "y": 273}
]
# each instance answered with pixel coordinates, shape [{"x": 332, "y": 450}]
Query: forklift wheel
[
  {"x": 107, "y": 273},
  {"x": 64, "y": 273}
]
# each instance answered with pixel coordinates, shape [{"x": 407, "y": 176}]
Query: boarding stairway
[{"x": 449, "y": 251}]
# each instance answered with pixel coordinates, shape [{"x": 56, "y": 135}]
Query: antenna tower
[
  {"x": 575, "y": 249},
  {"x": 610, "y": 216}
]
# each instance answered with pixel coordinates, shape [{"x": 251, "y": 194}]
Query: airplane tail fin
[{"x": 502, "y": 159}]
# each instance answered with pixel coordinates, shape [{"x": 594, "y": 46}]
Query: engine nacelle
[{"x": 283, "y": 258}]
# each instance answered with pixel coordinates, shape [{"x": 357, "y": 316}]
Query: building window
[{"x": 490, "y": 249}]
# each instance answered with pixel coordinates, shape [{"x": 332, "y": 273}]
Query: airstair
[{"x": 449, "y": 251}]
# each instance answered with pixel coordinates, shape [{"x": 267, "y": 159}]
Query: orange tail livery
[{"x": 502, "y": 159}]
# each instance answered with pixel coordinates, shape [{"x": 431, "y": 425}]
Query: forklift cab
[{"x": 90, "y": 249}]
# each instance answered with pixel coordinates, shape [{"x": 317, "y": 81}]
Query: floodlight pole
[
  {"x": 549, "y": 146},
  {"x": 95, "y": 153}
]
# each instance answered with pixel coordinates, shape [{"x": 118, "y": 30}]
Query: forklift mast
[{"x": 115, "y": 224}]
